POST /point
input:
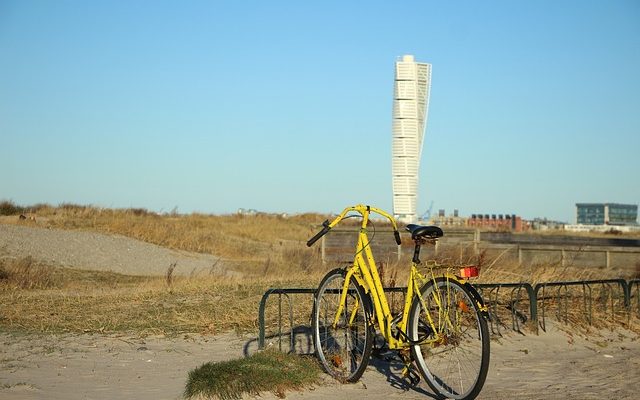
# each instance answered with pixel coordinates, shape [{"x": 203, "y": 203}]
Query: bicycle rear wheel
[
  {"x": 455, "y": 365},
  {"x": 343, "y": 348}
]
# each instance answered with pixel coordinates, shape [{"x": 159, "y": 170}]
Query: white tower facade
[{"x": 410, "y": 108}]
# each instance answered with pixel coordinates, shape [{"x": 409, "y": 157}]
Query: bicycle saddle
[{"x": 430, "y": 232}]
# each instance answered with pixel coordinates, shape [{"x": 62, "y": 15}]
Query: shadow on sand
[{"x": 385, "y": 361}]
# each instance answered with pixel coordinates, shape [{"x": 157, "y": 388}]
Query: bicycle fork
[{"x": 343, "y": 301}]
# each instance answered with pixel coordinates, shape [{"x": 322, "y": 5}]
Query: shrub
[{"x": 9, "y": 208}]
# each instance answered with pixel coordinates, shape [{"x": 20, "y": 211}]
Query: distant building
[
  {"x": 606, "y": 214},
  {"x": 251, "y": 211},
  {"x": 498, "y": 222},
  {"x": 449, "y": 221},
  {"x": 410, "y": 108},
  {"x": 544, "y": 224}
]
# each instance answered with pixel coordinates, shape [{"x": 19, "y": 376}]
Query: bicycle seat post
[
  {"x": 416, "y": 251},
  {"x": 419, "y": 242}
]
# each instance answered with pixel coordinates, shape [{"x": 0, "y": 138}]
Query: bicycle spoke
[
  {"x": 343, "y": 348},
  {"x": 455, "y": 363}
]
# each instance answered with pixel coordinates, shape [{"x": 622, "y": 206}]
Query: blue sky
[{"x": 286, "y": 106}]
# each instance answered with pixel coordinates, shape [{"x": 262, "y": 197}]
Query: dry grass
[
  {"x": 247, "y": 238},
  {"x": 67, "y": 300},
  {"x": 269, "y": 250},
  {"x": 26, "y": 273},
  {"x": 586, "y": 308}
]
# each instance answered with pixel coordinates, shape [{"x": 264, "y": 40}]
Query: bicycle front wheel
[
  {"x": 453, "y": 357},
  {"x": 342, "y": 341}
]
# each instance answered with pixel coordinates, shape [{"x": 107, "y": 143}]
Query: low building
[
  {"x": 606, "y": 214},
  {"x": 496, "y": 222},
  {"x": 544, "y": 224},
  {"x": 453, "y": 220},
  {"x": 507, "y": 222}
]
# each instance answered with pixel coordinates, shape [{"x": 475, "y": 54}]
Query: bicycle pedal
[{"x": 411, "y": 377}]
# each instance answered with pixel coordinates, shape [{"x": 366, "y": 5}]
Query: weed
[
  {"x": 169, "y": 275},
  {"x": 13, "y": 385}
]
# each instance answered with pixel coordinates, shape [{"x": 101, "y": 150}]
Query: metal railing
[
  {"x": 518, "y": 315},
  {"x": 261, "y": 310},
  {"x": 294, "y": 329},
  {"x": 633, "y": 288},
  {"x": 606, "y": 297},
  {"x": 504, "y": 301}
]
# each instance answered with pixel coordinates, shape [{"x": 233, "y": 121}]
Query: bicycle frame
[
  {"x": 440, "y": 335},
  {"x": 364, "y": 270}
]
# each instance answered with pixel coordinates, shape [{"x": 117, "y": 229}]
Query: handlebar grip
[
  {"x": 320, "y": 234},
  {"x": 397, "y": 236}
]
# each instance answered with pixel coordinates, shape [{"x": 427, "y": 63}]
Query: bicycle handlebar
[
  {"x": 364, "y": 211},
  {"x": 326, "y": 228}
]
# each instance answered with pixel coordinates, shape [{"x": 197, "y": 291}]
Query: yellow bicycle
[{"x": 442, "y": 331}]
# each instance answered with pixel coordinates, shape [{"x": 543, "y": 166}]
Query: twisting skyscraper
[{"x": 410, "y": 107}]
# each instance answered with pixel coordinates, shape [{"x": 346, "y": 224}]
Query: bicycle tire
[
  {"x": 343, "y": 350},
  {"x": 456, "y": 366}
]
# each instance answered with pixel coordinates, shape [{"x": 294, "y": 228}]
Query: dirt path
[
  {"x": 68, "y": 367},
  {"x": 552, "y": 365},
  {"x": 96, "y": 251}
]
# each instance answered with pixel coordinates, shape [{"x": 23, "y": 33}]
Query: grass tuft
[
  {"x": 267, "y": 371},
  {"x": 26, "y": 273}
]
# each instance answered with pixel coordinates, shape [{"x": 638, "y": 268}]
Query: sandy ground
[{"x": 552, "y": 365}]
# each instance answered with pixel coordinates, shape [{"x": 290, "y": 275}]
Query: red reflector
[{"x": 468, "y": 272}]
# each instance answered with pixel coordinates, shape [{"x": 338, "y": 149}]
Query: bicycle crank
[{"x": 409, "y": 373}]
